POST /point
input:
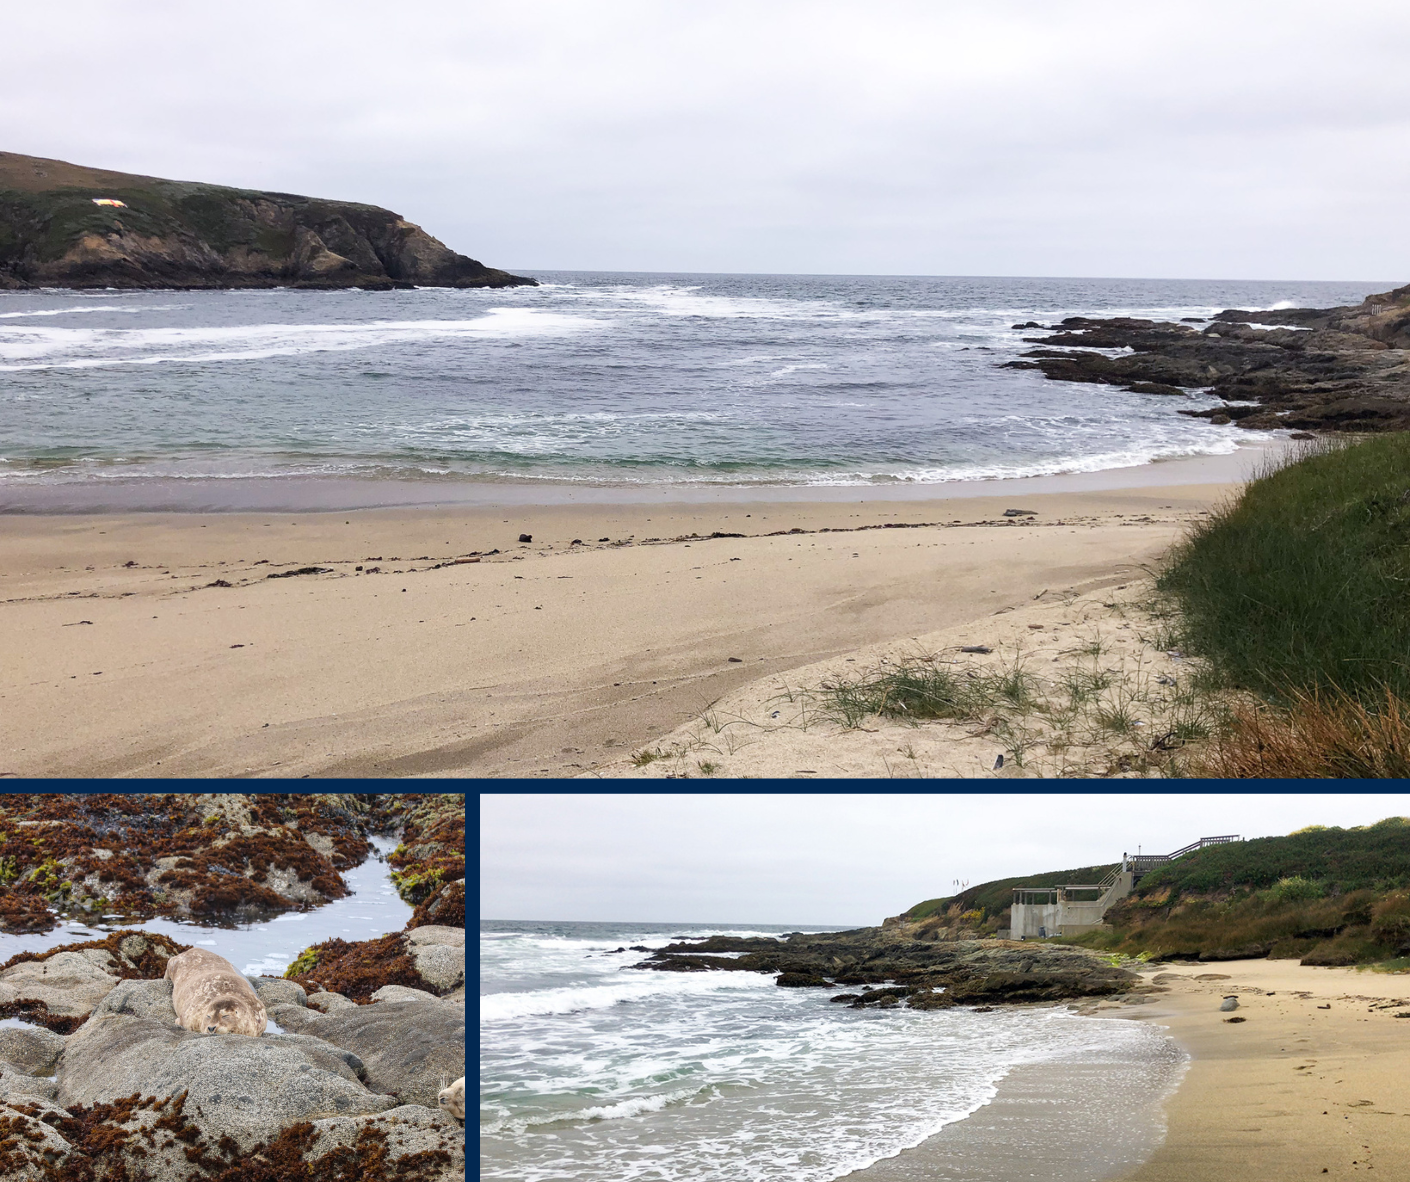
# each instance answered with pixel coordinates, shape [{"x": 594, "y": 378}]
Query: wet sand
[
  {"x": 1311, "y": 1084},
  {"x": 1085, "y": 1120},
  {"x": 125, "y": 655}
]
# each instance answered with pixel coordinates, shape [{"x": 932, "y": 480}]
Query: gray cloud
[
  {"x": 837, "y": 859},
  {"x": 1192, "y": 139}
]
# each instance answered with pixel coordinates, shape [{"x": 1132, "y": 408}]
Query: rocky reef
[
  {"x": 918, "y": 974},
  {"x": 1307, "y": 369},
  {"x": 102, "y": 1083},
  {"x": 428, "y": 957},
  {"x": 217, "y": 857},
  {"x": 432, "y": 850},
  {"x": 65, "y": 225},
  {"x": 340, "y": 1091}
]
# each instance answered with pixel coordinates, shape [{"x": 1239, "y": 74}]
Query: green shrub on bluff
[
  {"x": 1374, "y": 856},
  {"x": 1325, "y": 896},
  {"x": 994, "y": 898}
]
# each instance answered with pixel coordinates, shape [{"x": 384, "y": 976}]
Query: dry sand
[
  {"x": 548, "y": 658},
  {"x": 1314, "y": 1083}
]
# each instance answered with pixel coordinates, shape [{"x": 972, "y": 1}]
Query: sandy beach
[
  {"x": 431, "y": 641},
  {"x": 1312, "y": 1081},
  {"x": 1310, "y": 1084}
]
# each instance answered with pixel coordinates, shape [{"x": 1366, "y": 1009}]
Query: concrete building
[{"x": 1074, "y": 908}]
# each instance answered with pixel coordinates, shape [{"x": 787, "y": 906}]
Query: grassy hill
[{"x": 1321, "y": 895}]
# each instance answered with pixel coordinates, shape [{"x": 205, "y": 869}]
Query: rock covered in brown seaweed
[{"x": 218, "y": 857}]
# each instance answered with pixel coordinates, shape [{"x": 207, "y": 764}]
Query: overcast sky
[
  {"x": 843, "y": 859},
  {"x": 1183, "y": 139}
]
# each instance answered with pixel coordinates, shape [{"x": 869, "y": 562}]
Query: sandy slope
[
  {"x": 1063, "y": 641},
  {"x": 545, "y": 659}
]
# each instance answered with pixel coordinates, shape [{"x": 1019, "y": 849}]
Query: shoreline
[
  {"x": 1309, "y": 1084},
  {"x": 335, "y": 494},
  {"x": 1086, "y": 1118}
]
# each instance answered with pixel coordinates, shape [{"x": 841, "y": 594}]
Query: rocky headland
[
  {"x": 1305, "y": 369},
  {"x": 895, "y": 968},
  {"x": 65, "y": 225},
  {"x": 101, "y": 1082}
]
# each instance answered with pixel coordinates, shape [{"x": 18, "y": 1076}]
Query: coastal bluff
[{"x": 66, "y": 225}]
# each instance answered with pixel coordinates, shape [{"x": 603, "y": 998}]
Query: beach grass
[
  {"x": 1300, "y": 589},
  {"x": 1315, "y": 737},
  {"x": 921, "y": 689},
  {"x": 1296, "y": 596}
]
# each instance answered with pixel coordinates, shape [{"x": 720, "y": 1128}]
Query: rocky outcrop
[
  {"x": 30, "y": 1148},
  {"x": 248, "y": 1088},
  {"x": 406, "y": 1047},
  {"x": 444, "y": 907},
  {"x": 923, "y": 975},
  {"x": 1307, "y": 369},
  {"x": 215, "y": 856},
  {"x": 343, "y": 1086},
  {"x": 428, "y": 866},
  {"x": 32, "y": 1050},
  {"x": 146, "y": 1139},
  {"x": 155, "y": 233}
]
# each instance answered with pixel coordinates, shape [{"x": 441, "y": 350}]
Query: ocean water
[
  {"x": 591, "y": 1070},
  {"x": 603, "y": 379}
]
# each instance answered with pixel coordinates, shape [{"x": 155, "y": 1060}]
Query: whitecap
[{"x": 501, "y": 1007}]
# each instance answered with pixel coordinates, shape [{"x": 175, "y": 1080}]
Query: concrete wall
[
  {"x": 1066, "y": 917},
  {"x": 1029, "y": 920}
]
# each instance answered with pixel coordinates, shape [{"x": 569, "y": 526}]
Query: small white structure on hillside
[{"x": 1074, "y": 908}]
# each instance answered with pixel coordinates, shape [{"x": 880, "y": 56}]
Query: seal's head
[
  {"x": 230, "y": 1015},
  {"x": 452, "y": 1099}
]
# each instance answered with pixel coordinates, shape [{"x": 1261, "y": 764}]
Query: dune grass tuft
[{"x": 1316, "y": 737}]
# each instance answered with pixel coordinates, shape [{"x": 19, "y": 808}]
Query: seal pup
[
  {"x": 211, "y": 997},
  {"x": 452, "y": 1099}
]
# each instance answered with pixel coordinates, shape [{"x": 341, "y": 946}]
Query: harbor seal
[
  {"x": 211, "y": 997},
  {"x": 452, "y": 1099}
]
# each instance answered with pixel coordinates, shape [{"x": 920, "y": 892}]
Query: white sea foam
[
  {"x": 132, "y": 311},
  {"x": 55, "y": 348},
  {"x": 503, "y": 1007},
  {"x": 636, "y": 1106}
]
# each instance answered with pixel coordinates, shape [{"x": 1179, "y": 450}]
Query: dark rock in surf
[
  {"x": 1328, "y": 369},
  {"x": 968, "y": 971}
]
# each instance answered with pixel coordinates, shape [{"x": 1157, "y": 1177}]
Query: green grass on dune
[{"x": 1303, "y": 584}]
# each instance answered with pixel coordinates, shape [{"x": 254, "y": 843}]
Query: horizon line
[{"x": 930, "y": 275}]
